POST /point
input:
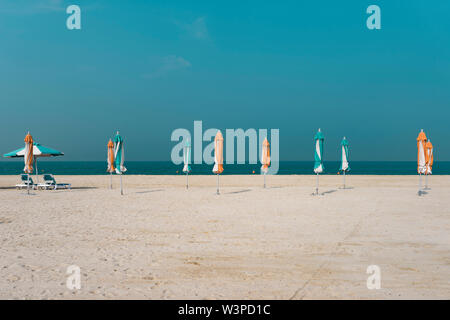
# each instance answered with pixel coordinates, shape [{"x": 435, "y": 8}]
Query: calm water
[{"x": 14, "y": 167}]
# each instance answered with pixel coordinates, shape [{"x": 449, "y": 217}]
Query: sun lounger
[
  {"x": 25, "y": 181},
  {"x": 50, "y": 183}
]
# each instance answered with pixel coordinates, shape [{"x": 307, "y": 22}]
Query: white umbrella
[{"x": 187, "y": 161}]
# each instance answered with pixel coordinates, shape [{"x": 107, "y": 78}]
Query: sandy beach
[{"x": 161, "y": 241}]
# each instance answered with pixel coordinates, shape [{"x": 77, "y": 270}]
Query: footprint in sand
[
  {"x": 13, "y": 278},
  {"x": 5, "y": 220}
]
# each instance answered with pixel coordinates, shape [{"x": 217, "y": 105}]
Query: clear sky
[{"x": 149, "y": 67}]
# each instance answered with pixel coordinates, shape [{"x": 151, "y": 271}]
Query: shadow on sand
[
  {"x": 421, "y": 193},
  {"x": 148, "y": 191},
  {"x": 323, "y": 193},
  {"x": 82, "y": 188},
  {"x": 7, "y": 188},
  {"x": 239, "y": 191}
]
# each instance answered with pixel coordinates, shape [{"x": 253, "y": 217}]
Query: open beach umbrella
[
  {"x": 187, "y": 160},
  {"x": 429, "y": 161},
  {"x": 37, "y": 151},
  {"x": 344, "y": 158},
  {"x": 318, "y": 156},
  {"x": 265, "y": 158},
  {"x": 119, "y": 156},
  {"x": 421, "y": 158},
  {"x": 218, "y": 156},
  {"x": 110, "y": 159}
]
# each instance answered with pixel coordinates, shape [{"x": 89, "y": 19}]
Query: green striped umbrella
[
  {"x": 119, "y": 154},
  {"x": 344, "y": 158},
  {"x": 187, "y": 160},
  {"x": 38, "y": 151},
  {"x": 318, "y": 156},
  {"x": 119, "y": 157}
]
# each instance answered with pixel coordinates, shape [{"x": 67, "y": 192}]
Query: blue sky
[{"x": 149, "y": 67}]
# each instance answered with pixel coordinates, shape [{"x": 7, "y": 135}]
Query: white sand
[{"x": 161, "y": 241}]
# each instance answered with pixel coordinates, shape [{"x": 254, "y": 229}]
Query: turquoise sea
[{"x": 13, "y": 167}]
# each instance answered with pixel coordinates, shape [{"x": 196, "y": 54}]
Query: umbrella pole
[
  {"x": 264, "y": 179},
  {"x": 110, "y": 180},
  {"x": 187, "y": 180},
  {"x": 37, "y": 175},
  {"x": 420, "y": 184},
  {"x": 426, "y": 181},
  {"x": 28, "y": 183},
  {"x": 121, "y": 188},
  {"x": 217, "y": 183},
  {"x": 317, "y": 184},
  {"x": 344, "y": 179}
]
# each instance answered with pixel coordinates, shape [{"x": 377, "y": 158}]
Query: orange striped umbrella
[
  {"x": 110, "y": 160},
  {"x": 218, "y": 153},
  {"x": 28, "y": 156},
  {"x": 421, "y": 158},
  {"x": 218, "y": 156},
  {"x": 265, "y": 158},
  {"x": 111, "y": 167}
]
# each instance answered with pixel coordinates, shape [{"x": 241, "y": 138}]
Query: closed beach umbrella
[
  {"x": 265, "y": 158},
  {"x": 28, "y": 158},
  {"x": 187, "y": 160},
  {"x": 429, "y": 160},
  {"x": 119, "y": 155},
  {"x": 110, "y": 160},
  {"x": 429, "y": 156},
  {"x": 344, "y": 158},
  {"x": 28, "y": 154},
  {"x": 318, "y": 156},
  {"x": 421, "y": 158},
  {"x": 218, "y": 156}
]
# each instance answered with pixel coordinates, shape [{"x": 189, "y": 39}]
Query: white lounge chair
[
  {"x": 50, "y": 183},
  {"x": 25, "y": 181}
]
